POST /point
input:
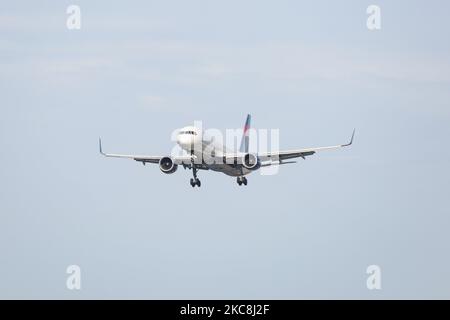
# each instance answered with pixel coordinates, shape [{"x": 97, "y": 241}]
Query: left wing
[{"x": 300, "y": 153}]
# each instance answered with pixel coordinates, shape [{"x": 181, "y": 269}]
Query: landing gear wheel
[
  {"x": 193, "y": 183},
  {"x": 241, "y": 180},
  {"x": 197, "y": 181}
]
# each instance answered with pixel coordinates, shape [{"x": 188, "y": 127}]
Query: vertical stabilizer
[{"x": 245, "y": 135}]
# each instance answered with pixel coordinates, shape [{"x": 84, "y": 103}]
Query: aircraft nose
[{"x": 184, "y": 140}]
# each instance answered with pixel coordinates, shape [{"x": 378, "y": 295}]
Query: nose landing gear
[
  {"x": 241, "y": 180},
  {"x": 195, "y": 181}
]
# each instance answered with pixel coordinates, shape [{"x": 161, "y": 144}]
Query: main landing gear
[
  {"x": 242, "y": 180},
  {"x": 195, "y": 182}
]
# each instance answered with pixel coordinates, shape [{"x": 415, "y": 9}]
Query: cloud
[
  {"x": 153, "y": 102},
  {"x": 214, "y": 70},
  {"x": 292, "y": 62},
  {"x": 201, "y": 63}
]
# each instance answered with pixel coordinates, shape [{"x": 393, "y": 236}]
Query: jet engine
[
  {"x": 251, "y": 161},
  {"x": 167, "y": 165}
]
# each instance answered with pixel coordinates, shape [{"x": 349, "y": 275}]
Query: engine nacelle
[
  {"x": 251, "y": 161},
  {"x": 167, "y": 165}
]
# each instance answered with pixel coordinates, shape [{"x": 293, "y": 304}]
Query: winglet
[
  {"x": 351, "y": 140},
  {"x": 100, "y": 146}
]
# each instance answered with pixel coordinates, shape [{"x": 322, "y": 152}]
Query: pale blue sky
[{"x": 137, "y": 70}]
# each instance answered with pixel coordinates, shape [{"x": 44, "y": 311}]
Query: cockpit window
[{"x": 189, "y": 132}]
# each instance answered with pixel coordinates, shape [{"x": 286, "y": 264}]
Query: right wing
[{"x": 143, "y": 158}]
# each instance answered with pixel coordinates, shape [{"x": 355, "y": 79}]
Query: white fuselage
[{"x": 191, "y": 140}]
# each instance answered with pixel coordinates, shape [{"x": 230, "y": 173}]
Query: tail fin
[{"x": 245, "y": 135}]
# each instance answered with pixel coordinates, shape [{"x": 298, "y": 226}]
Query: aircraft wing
[
  {"x": 142, "y": 158},
  {"x": 279, "y": 156}
]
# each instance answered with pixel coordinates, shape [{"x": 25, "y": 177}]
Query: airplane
[{"x": 235, "y": 164}]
